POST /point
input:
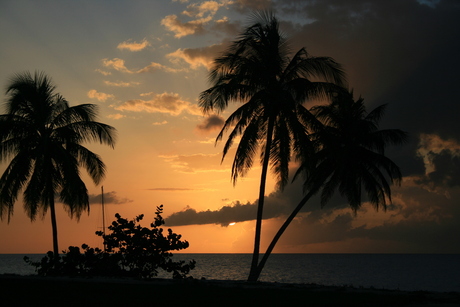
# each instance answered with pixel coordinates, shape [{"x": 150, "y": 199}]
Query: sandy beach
[{"x": 59, "y": 291}]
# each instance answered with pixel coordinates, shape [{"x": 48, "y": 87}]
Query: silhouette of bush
[{"x": 130, "y": 251}]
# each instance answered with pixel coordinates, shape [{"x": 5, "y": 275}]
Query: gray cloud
[
  {"x": 277, "y": 204},
  {"x": 109, "y": 198},
  {"x": 211, "y": 123},
  {"x": 245, "y": 6}
]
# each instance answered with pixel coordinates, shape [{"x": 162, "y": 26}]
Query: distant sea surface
[{"x": 409, "y": 272}]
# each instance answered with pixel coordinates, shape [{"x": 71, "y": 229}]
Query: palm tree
[
  {"x": 258, "y": 72},
  {"x": 43, "y": 136},
  {"x": 351, "y": 158}
]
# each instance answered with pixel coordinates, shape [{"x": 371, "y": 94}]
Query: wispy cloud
[
  {"x": 99, "y": 96},
  {"x": 200, "y": 9},
  {"x": 133, "y": 46},
  {"x": 170, "y": 103},
  {"x": 109, "y": 198},
  {"x": 116, "y": 116},
  {"x": 171, "y": 189},
  {"x": 121, "y": 83},
  {"x": 197, "y": 163},
  {"x": 119, "y": 65},
  {"x": 160, "y": 123},
  {"x": 181, "y": 29},
  {"x": 103, "y": 72},
  {"x": 196, "y": 57}
]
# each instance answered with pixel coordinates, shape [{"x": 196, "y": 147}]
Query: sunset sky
[{"x": 144, "y": 63}]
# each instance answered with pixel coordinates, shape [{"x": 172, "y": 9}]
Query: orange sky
[{"x": 145, "y": 63}]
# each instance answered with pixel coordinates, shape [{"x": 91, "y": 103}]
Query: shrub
[{"x": 130, "y": 250}]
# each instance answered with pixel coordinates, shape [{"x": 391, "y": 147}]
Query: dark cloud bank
[{"x": 406, "y": 54}]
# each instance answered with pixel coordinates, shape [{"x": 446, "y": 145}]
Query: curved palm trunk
[
  {"x": 278, "y": 235},
  {"x": 54, "y": 228},
  {"x": 260, "y": 206}
]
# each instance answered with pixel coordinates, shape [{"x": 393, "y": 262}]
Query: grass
[{"x": 39, "y": 291}]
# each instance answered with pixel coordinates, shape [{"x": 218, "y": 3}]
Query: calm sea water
[{"x": 411, "y": 272}]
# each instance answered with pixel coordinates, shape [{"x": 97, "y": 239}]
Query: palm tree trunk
[
  {"x": 54, "y": 228},
  {"x": 279, "y": 234},
  {"x": 260, "y": 205}
]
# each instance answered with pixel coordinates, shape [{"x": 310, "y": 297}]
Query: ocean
[{"x": 408, "y": 272}]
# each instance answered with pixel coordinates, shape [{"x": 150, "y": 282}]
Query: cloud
[
  {"x": 160, "y": 123},
  {"x": 109, "y": 198},
  {"x": 171, "y": 189},
  {"x": 210, "y": 124},
  {"x": 196, "y": 57},
  {"x": 252, "y": 5},
  {"x": 203, "y": 20},
  {"x": 119, "y": 65},
  {"x": 116, "y": 116},
  {"x": 442, "y": 162},
  {"x": 181, "y": 29},
  {"x": 276, "y": 204},
  {"x": 197, "y": 163},
  {"x": 121, "y": 83},
  {"x": 234, "y": 213},
  {"x": 133, "y": 46},
  {"x": 200, "y": 9},
  {"x": 99, "y": 96},
  {"x": 105, "y": 73},
  {"x": 170, "y": 103}
]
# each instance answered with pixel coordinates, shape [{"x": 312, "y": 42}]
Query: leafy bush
[{"x": 130, "y": 250}]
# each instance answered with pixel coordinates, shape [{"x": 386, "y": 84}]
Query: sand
[{"x": 66, "y": 291}]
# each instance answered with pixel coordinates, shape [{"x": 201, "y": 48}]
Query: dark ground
[{"x": 40, "y": 291}]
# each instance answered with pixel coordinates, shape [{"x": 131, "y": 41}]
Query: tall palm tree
[
  {"x": 351, "y": 159},
  {"x": 43, "y": 136},
  {"x": 257, "y": 71}
]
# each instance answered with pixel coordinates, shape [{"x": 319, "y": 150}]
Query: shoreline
[{"x": 94, "y": 291}]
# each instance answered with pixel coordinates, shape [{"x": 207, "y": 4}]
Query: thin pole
[{"x": 103, "y": 213}]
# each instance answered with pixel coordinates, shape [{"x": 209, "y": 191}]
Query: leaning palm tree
[
  {"x": 257, "y": 71},
  {"x": 43, "y": 136},
  {"x": 350, "y": 158}
]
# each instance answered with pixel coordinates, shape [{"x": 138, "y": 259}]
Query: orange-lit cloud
[
  {"x": 133, "y": 46},
  {"x": 170, "y": 103},
  {"x": 121, "y": 83},
  {"x": 160, "y": 123},
  {"x": 173, "y": 24},
  {"x": 103, "y": 72},
  {"x": 196, "y": 163},
  {"x": 119, "y": 65},
  {"x": 116, "y": 116},
  {"x": 196, "y": 57},
  {"x": 99, "y": 96},
  {"x": 200, "y": 9},
  {"x": 171, "y": 189}
]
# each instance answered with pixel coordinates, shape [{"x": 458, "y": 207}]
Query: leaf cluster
[{"x": 130, "y": 251}]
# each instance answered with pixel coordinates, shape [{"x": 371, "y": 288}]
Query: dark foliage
[{"x": 130, "y": 251}]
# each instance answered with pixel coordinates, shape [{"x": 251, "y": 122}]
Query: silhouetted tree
[
  {"x": 131, "y": 250},
  {"x": 350, "y": 158},
  {"x": 257, "y": 71},
  {"x": 44, "y": 137}
]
